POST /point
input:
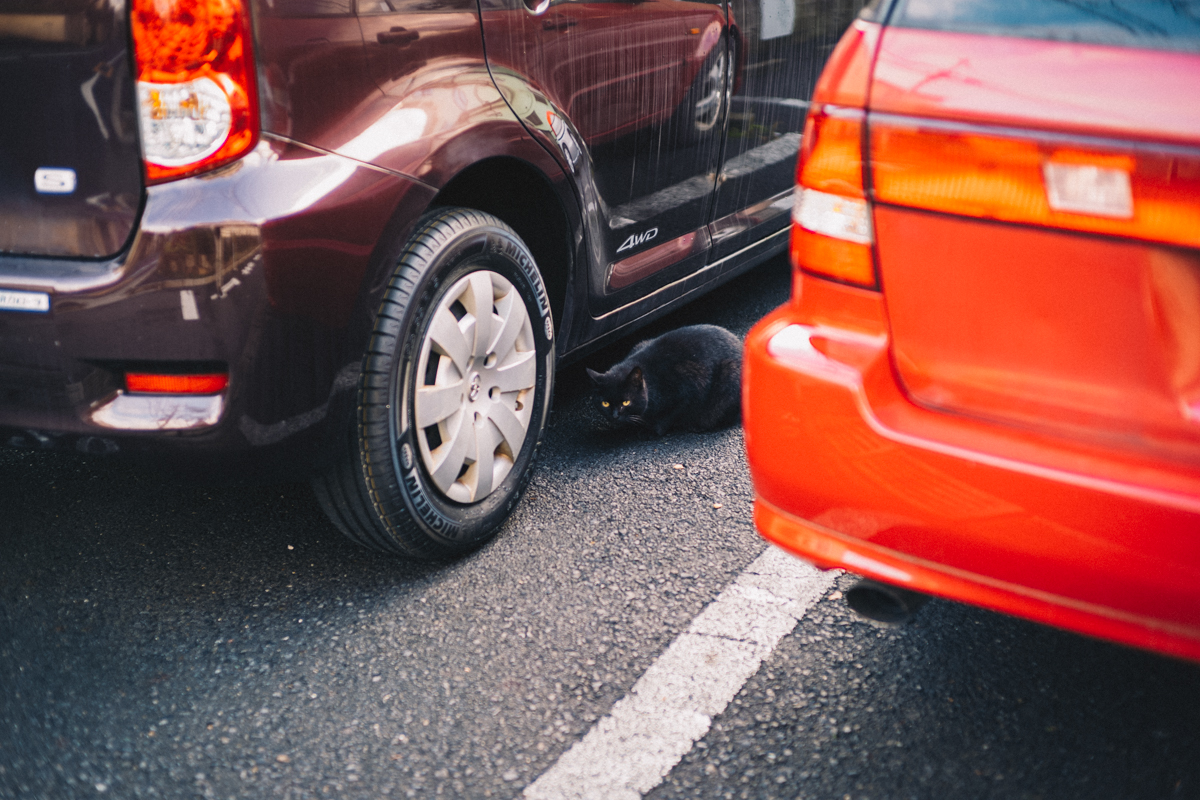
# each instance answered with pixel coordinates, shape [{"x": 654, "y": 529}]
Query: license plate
[{"x": 37, "y": 302}]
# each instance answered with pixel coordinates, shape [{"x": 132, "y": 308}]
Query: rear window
[{"x": 1158, "y": 24}]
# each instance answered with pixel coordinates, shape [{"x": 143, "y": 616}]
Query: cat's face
[{"x": 620, "y": 398}]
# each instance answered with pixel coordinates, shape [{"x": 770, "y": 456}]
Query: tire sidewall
[{"x": 494, "y": 247}]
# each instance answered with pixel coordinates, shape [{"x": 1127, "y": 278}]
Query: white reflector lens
[
  {"x": 1086, "y": 189},
  {"x": 182, "y": 123},
  {"x": 845, "y": 218}
]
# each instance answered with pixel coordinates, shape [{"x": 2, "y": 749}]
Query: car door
[
  {"x": 779, "y": 48},
  {"x": 637, "y": 86},
  {"x": 404, "y": 37}
]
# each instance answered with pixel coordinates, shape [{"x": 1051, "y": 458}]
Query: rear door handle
[
  {"x": 559, "y": 24},
  {"x": 401, "y": 37}
]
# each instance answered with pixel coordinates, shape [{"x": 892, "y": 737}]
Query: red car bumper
[{"x": 849, "y": 473}]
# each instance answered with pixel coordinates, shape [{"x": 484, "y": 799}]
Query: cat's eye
[
  {"x": 604, "y": 403},
  {"x": 624, "y": 402}
]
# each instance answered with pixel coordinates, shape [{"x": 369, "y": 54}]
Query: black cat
[{"x": 689, "y": 378}]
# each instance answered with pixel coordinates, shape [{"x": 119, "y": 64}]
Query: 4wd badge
[{"x": 637, "y": 239}]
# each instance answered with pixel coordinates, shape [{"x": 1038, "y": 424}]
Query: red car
[{"x": 986, "y": 386}]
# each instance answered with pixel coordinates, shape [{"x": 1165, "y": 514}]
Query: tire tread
[{"x": 348, "y": 492}]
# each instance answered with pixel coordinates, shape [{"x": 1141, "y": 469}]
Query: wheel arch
[
  {"x": 494, "y": 164},
  {"x": 524, "y": 198}
]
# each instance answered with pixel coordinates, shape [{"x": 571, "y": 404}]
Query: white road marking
[{"x": 630, "y": 751}]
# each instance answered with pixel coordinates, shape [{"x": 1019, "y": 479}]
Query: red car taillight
[
  {"x": 197, "y": 101},
  {"x": 831, "y": 231},
  {"x": 831, "y": 234},
  {"x": 1108, "y": 189},
  {"x": 1023, "y": 177}
]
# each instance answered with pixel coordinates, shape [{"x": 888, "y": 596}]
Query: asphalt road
[{"x": 170, "y": 640}]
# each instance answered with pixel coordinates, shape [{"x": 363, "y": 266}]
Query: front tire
[{"x": 454, "y": 393}]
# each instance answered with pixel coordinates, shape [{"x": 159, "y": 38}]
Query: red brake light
[
  {"x": 1140, "y": 195},
  {"x": 831, "y": 155},
  {"x": 831, "y": 218},
  {"x": 197, "y": 99},
  {"x": 146, "y": 383}
]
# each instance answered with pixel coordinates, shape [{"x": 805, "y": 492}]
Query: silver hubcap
[
  {"x": 709, "y": 105},
  {"x": 475, "y": 380}
]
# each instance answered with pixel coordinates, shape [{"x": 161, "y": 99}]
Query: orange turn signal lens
[
  {"x": 1143, "y": 195},
  {"x": 146, "y": 383}
]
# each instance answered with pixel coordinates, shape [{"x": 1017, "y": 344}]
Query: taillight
[
  {"x": 831, "y": 231},
  {"x": 197, "y": 101},
  {"x": 149, "y": 383},
  {"x": 832, "y": 234},
  {"x": 1144, "y": 195}
]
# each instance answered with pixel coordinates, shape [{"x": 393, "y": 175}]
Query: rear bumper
[
  {"x": 258, "y": 269},
  {"x": 849, "y": 473}
]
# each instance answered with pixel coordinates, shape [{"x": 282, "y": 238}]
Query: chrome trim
[
  {"x": 159, "y": 412},
  {"x": 767, "y": 243},
  {"x": 34, "y": 273},
  {"x": 752, "y": 216}
]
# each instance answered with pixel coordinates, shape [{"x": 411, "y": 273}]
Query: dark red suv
[{"x": 357, "y": 237}]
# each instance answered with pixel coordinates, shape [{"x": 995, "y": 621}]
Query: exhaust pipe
[{"x": 883, "y": 602}]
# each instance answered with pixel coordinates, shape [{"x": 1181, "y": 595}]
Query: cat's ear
[
  {"x": 635, "y": 378},
  {"x": 595, "y": 376}
]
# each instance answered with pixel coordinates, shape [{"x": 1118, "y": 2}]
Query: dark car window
[{"x": 1161, "y": 24}]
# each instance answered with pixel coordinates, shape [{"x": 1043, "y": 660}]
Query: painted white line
[{"x": 628, "y": 753}]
